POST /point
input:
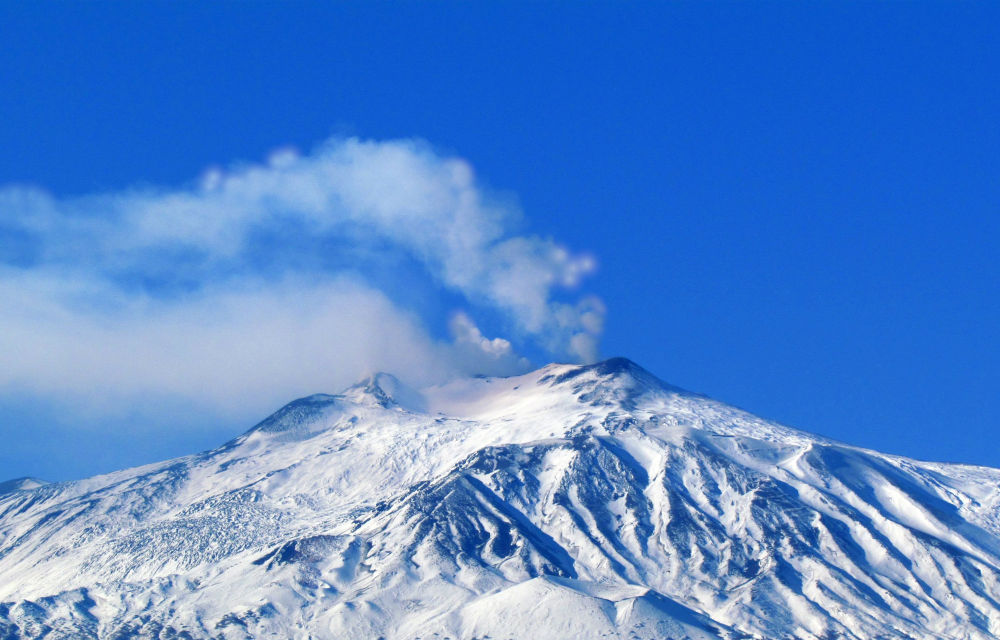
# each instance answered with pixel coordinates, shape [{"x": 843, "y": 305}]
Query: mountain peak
[
  {"x": 296, "y": 413},
  {"x": 618, "y": 366},
  {"x": 387, "y": 391},
  {"x": 616, "y": 376},
  {"x": 21, "y": 484},
  {"x": 615, "y": 381}
]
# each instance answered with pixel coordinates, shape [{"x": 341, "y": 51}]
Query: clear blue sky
[{"x": 793, "y": 206}]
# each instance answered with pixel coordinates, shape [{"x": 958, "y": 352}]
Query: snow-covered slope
[{"x": 571, "y": 502}]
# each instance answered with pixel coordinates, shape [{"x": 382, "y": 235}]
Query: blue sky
[{"x": 789, "y": 207}]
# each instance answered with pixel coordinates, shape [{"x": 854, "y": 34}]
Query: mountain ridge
[{"x": 572, "y": 500}]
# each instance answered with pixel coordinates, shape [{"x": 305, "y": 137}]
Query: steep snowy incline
[{"x": 574, "y": 501}]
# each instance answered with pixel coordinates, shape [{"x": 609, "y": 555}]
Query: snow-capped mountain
[{"x": 571, "y": 502}]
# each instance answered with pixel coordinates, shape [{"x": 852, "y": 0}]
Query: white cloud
[
  {"x": 475, "y": 353},
  {"x": 225, "y": 291},
  {"x": 256, "y": 346}
]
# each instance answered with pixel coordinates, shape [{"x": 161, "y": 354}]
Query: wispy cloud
[{"x": 262, "y": 281}]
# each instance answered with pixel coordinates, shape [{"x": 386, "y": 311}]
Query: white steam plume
[{"x": 252, "y": 283}]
